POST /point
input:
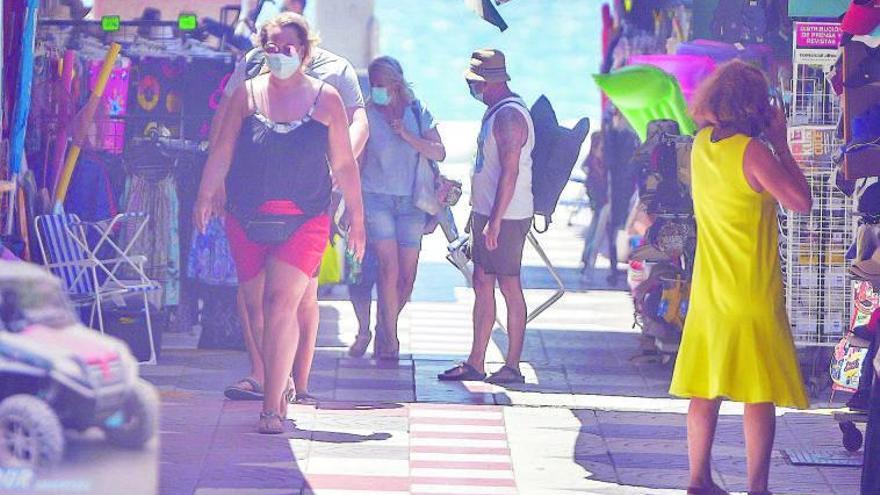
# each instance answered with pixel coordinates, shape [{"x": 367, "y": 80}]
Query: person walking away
[
  {"x": 340, "y": 74},
  {"x": 737, "y": 341},
  {"x": 597, "y": 190},
  {"x": 619, "y": 147},
  {"x": 279, "y": 133},
  {"x": 401, "y": 131},
  {"x": 502, "y": 211}
]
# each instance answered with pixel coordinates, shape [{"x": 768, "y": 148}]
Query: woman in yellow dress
[{"x": 737, "y": 342}]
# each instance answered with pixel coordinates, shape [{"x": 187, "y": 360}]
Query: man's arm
[{"x": 511, "y": 132}]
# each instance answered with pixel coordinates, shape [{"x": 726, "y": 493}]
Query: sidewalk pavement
[{"x": 589, "y": 420}]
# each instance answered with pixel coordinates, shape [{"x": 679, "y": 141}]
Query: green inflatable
[{"x": 644, "y": 93}]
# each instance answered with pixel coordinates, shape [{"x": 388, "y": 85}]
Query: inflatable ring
[
  {"x": 643, "y": 94},
  {"x": 148, "y": 93}
]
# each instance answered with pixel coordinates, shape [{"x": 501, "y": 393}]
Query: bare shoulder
[
  {"x": 758, "y": 154},
  {"x": 510, "y": 126},
  {"x": 329, "y": 103}
]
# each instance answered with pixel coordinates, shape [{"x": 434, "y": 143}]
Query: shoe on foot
[
  {"x": 245, "y": 389},
  {"x": 461, "y": 372},
  {"x": 305, "y": 399},
  {"x": 506, "y": 375},
  {"x": 712, "y": 489},
  {"x": 359, "y": 347},
  {"x": 270, "y": 423}
]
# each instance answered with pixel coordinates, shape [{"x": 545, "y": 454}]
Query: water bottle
[{"x": 353, "y": 268}]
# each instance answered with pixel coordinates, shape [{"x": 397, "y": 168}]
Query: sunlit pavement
[{"x": 588, "y": 420}]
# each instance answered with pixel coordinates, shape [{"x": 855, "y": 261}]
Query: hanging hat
[
  {"x": 862, "y": 17},
  {"x": 487, "y": 65}
]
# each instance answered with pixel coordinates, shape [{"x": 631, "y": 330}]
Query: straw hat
[{"x": 487, "y": 65}]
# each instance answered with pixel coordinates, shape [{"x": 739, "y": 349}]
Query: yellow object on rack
[{"x": 83, "y": 121}]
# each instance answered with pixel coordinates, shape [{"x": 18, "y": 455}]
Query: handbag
[
  {"x": 273, "y": 229},
  {"x": 431, "y": 190}
]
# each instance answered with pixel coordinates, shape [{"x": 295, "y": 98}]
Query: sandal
[
  {"x": 359, "y": 347},
  {"x": 270, "y": 423},
  {"x": 305, "y": 398},
  {"x": 462, "y": 372},
  {"x": 505, "y": 375},
  {"x": 245, "y": 389}
]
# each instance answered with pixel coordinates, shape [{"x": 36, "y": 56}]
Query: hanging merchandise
[
  {"x": 113, "y": 107},
  {"x": 160, "y": 243},
  {"x": 644, "y": 93},
  {"x": 689, "y": 70},
  {"x": 83, "y": 122}
]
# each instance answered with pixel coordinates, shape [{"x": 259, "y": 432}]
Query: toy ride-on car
[{"x": 56, "y": 373}]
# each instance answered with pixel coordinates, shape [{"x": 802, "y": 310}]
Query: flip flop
[
  {"x": 506, "y": 375},
  {"x": 462, "y": 372},
  {"x": 246, "y": 389}
]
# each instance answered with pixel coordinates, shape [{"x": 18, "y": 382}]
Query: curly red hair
[{"x": 736, "y": 96}]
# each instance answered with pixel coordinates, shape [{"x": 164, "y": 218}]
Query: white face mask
[{"x": 283, "y": 66}]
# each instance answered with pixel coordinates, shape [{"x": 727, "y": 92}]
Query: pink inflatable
[
  {"x": 689, "y": 70},
  {"x": 722, "y": 52}
]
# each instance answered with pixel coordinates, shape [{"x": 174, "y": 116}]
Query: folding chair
[
  {"x": 459, "y": 255},
  {"x": 89, "y": 276}
]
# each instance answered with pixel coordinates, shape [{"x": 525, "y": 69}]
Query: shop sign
[{"x": 816, "y": 43}]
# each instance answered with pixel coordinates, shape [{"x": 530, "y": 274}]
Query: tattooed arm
[{"x": 511, "y": 132}]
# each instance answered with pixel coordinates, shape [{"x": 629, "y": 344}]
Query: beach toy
[
  {"x": 83, "y": 121},
  {"x": 644, "y": 93},
  {"x": 723, "y": 52},
  {"x": 689, "y": 70}
]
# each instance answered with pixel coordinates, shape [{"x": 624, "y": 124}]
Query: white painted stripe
[
  {"x": 440, "y": 457},
  {"x": 456, "y": 428},
  {"x": 458, "y": 442},
  {"x": 417, "y": 412},
  {"x": 462, "y": 473},
  {"x": 463, "y": 489}
]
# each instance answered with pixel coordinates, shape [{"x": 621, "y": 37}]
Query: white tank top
[{"x": 486, "y": 173}]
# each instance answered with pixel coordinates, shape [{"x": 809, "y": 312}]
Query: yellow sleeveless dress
[{"x": 737, "y": 340}]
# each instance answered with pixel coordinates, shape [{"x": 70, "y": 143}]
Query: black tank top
[{"x": 279, "y": 161}]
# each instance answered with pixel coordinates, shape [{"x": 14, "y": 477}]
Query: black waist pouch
[{"x": 273, "y": 229}]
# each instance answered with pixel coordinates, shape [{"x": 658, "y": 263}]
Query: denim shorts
[{"x": 394, "y": 218}]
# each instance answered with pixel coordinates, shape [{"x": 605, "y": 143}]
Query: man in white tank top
[{"x": 501, "y": 200}]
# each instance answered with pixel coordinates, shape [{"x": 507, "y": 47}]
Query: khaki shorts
[{"x": 506, "y": 259}]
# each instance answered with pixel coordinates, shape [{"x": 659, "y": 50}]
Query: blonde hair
[
  {"x": 293, "y": 20},
  {"x": 391, "y": 69}
]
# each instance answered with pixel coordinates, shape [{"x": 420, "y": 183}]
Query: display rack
[{"x": 814, "y": 244}]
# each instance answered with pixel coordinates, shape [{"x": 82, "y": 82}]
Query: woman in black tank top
[{"x": 273, "y": 150}]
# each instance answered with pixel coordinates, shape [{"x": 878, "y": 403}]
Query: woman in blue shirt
[{"x": 401, "y": 129}]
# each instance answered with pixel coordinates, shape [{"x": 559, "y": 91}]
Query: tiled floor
[{"x": 589, "y": 420}]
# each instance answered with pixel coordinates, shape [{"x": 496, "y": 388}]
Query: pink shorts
[{"x": 303, "y": 250}]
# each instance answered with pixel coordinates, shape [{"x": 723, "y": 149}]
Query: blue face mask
[
  {"x": 478, "y": 95},
  {"x": 380, "y": 96}
]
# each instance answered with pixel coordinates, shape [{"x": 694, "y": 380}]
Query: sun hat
[
  {"x": 487, "y": 65},
  {"x": 861, "y": 18}
]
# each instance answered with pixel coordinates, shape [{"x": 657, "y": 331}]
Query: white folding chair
[
  {"x": 459, "y": 255},
  {"x": 90, "y": 275}
]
